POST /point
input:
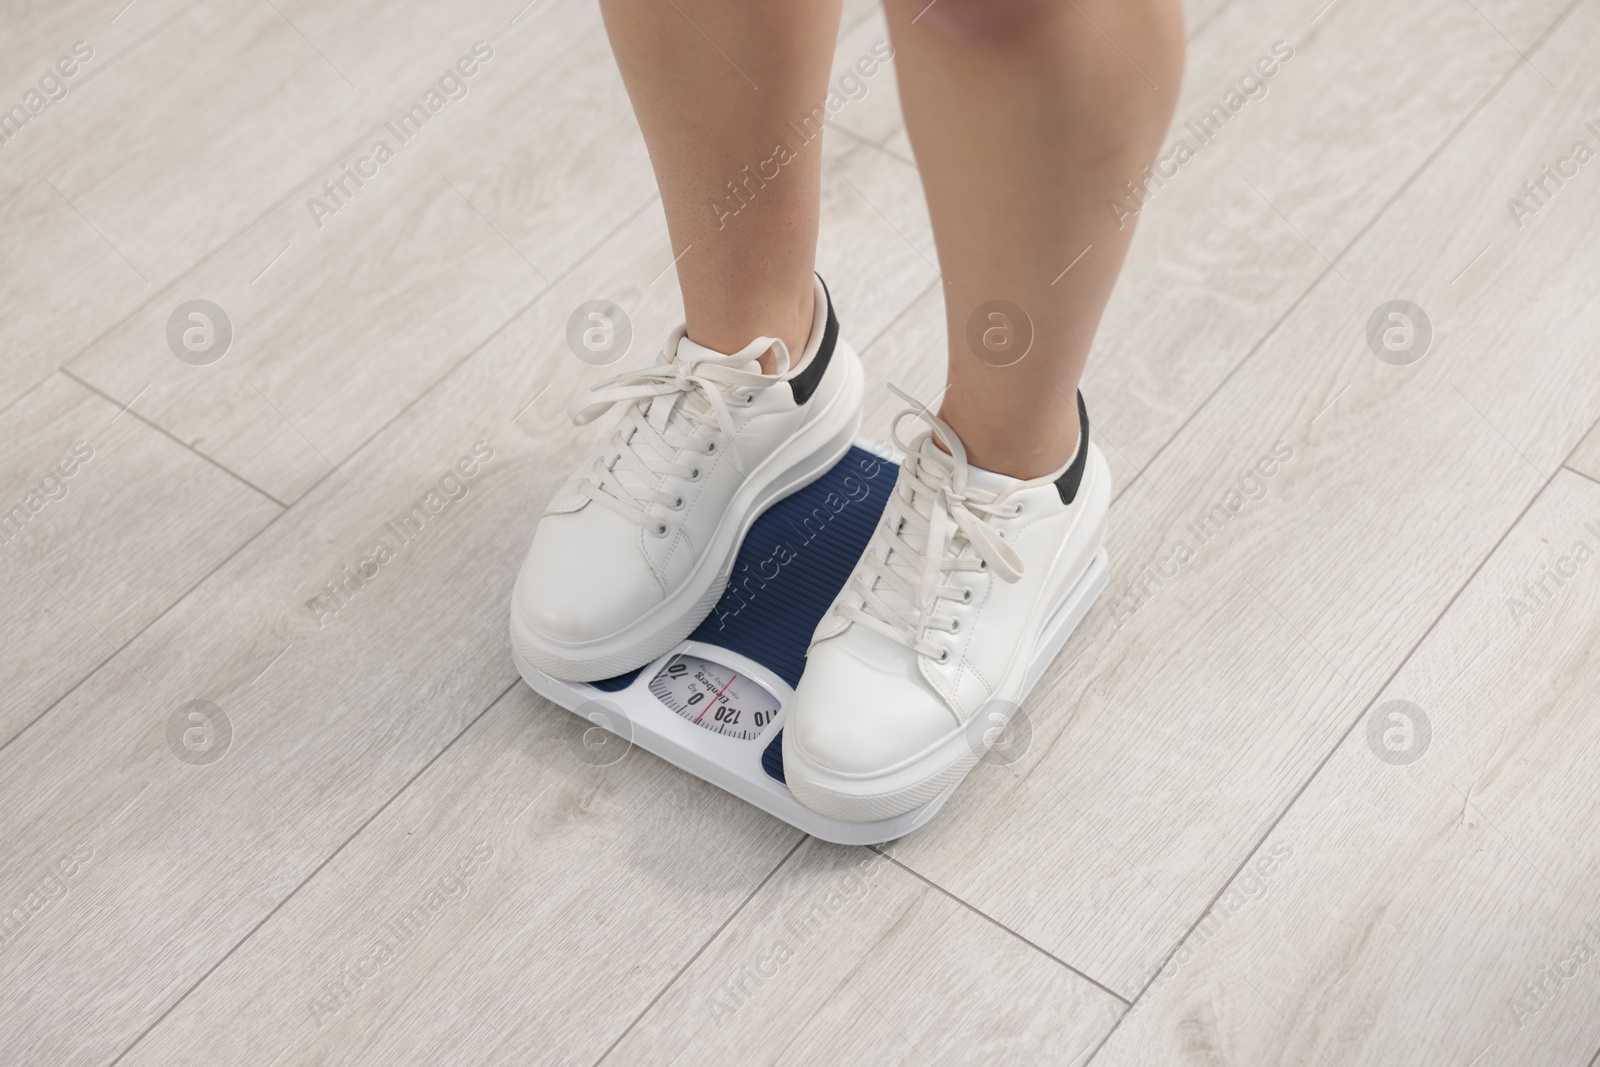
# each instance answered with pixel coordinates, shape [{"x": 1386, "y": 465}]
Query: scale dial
[{"x": 714, "y": 697}]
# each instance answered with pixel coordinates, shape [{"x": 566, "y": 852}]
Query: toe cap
[
  {"x": 862, "y": 707},
  {"x": 584, "y": 577}
]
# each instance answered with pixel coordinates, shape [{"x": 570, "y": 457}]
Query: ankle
[
  {"x": 1027, "y": 447},
  {"x": 728, "y": 328},
  {"x": 797, "y": 333}
]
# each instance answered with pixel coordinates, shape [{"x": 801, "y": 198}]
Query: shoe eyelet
[
  {"x": 749, "y": 398},
  {"x": 955, "y": 627},
  {"x": 711, "y": 448},
  {"x": 677, "y": 505},
  {"x": 1017, "y": 510},
  {"x": 966, "y": 596},
  {"x": 944, "y": 656},
  {"x": 661, "y": 529},
  {"x": 694, "y": 475},
  {"x": 983, "y": 565}
]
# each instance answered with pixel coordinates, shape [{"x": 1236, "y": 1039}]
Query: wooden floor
[{"x": 1317, "y": 782}]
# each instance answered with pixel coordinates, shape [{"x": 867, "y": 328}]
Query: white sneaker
[
  {"x": 636, "y": 548},
  {"x": 938, "y": 621}
]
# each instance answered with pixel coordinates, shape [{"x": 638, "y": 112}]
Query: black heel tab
[
  {"x": 805, "y": 383},
  {"x": 1067, "y": 484}
]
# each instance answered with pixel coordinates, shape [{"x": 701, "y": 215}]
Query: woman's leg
[
  {"x": 1026, "y": 117},
  {"x": 714, "y": 84},
  {"x": 635, "y": 550}
]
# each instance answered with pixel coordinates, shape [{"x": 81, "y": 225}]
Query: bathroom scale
[{"x": 714, "y": 705}]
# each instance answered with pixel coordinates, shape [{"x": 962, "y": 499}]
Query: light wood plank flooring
[{"x": 1322, "y": 791}]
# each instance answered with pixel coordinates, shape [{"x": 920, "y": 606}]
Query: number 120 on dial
[{"x": 715, "y": 697}]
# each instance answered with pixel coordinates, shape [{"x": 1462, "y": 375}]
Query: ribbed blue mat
[
  {"x": 795, "y": 559},
  {"x": 772, "y": 758}
]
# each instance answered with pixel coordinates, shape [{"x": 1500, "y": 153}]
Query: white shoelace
[
  {"x": 673, "y": 405},
  {"x": 930, "y": 518}
]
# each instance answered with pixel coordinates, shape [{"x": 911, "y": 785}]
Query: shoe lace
[
  {"x": 679, "y": 403},
  {"x": 930, "y": 520}
]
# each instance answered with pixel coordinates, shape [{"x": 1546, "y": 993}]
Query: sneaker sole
[{"x": 822, "y": 443}]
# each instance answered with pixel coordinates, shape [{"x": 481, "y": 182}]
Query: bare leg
[
  {"x": 1026, "y": 120},
  {"x": 714, "y": 84}
]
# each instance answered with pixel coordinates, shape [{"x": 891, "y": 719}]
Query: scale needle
[{"x": 714, "y": 699}]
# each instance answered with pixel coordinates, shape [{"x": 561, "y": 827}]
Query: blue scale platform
[{"x": 795, "y": 559}]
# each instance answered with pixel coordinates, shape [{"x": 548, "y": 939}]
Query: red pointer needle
[{"x": 713, "y": 700}]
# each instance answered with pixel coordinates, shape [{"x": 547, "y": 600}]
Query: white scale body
[{"x": 715, "y": 712}]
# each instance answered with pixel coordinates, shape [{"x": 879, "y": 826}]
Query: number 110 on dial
[{"x": 715, "y": 697}]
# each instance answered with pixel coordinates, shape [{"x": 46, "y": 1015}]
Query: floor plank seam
[
  {"x": 120, "y": 649},
  {"x": 1448, "y": 140},
  {"x": 861, "y": 21},
  {"x": 527, "y": 342},
  {"x": 222, "y": 245},
  {"x": 315, "y": 871},
  {"x": 895, "y": 321},
  {"x": 29, "y": 391},
  {"x": 1338, "y": 743},
  {"x": 1582, "y": 474},
  {"x": 1334, "y": 748},
  {"x": 867, "y": 142},
  {"x": 138, "y": 43},
  {"x": 1583, "y": 438},
  {"x": 310, "y": 489},
  {"x": 180, "y": 442},
  {"x": 991, "y": 919},
  {"x": 1205, "y": 23},
  {"x": 333, "y": 160},
  {"x": 428, "y": 390},
  {"x": 701, "y": 950}
]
